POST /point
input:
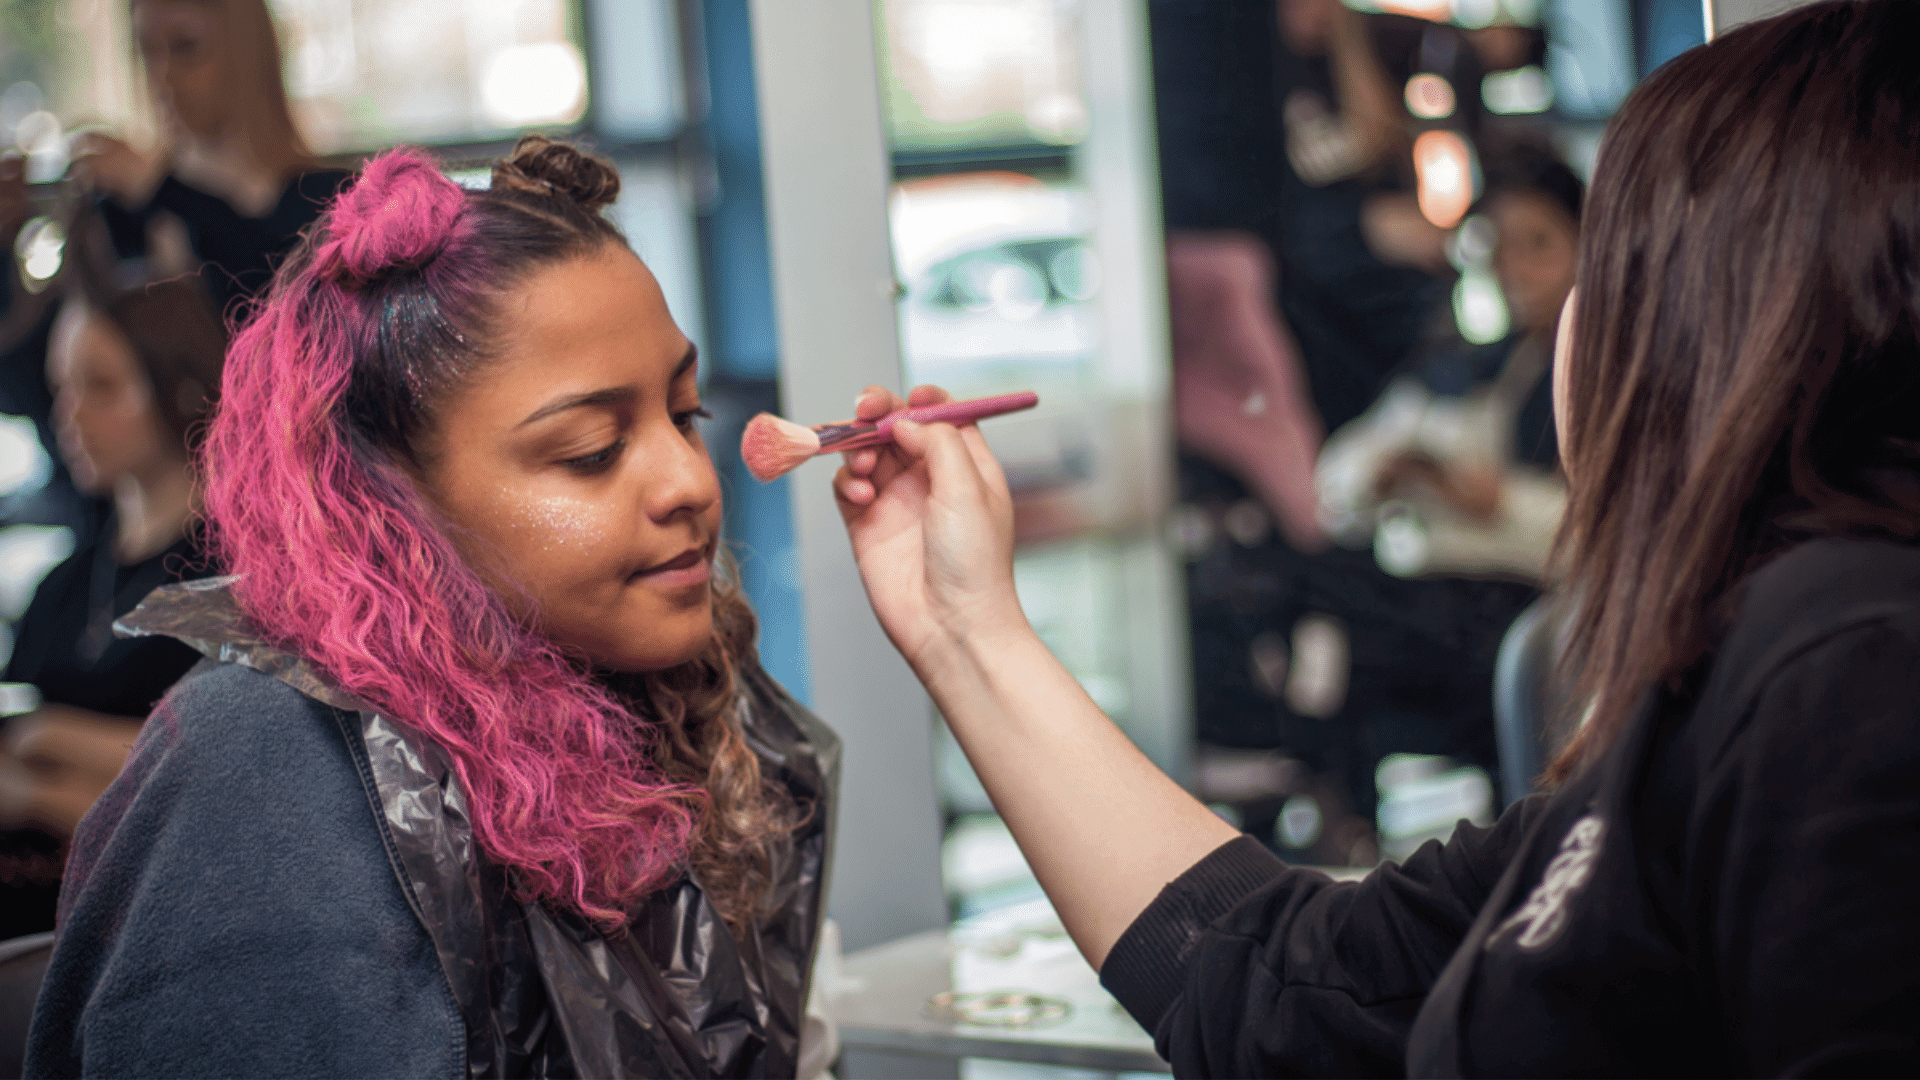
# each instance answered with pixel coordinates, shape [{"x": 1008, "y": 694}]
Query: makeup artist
[{"x": 1719, "y": 875}]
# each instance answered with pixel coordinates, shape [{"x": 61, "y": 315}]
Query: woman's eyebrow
[
  {"x": 615, "y": 395},
  {"x": 618, "y": 395}
]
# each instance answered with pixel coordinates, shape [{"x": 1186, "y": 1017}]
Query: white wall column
[{"x": 827, "y": 173}]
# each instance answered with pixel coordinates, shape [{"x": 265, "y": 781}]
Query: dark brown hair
[
  {"x": 1745, "y": 363},
  {"x": 180, "y": 344},
  {"x": 176, "y": 337},
  {"x": 1529, "y": 167}
]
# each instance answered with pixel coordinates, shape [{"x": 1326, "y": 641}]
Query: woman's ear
[{"x": 1562, "y": 351}]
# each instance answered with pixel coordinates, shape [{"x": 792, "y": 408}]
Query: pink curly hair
[{"x": 591, "y": 800}]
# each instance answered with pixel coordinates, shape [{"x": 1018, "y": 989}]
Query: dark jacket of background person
[
  {"x": 65, "y": 648},
  {"x": 65, "y": 644},
  {"x": 282, "y": 882},
  {"x": 1730, "y": 891},
  {"x": 239, "y": 252}
]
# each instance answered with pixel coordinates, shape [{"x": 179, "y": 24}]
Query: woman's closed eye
[
  {"x": 684, "y": 420},
  {"x": 598, "y": 460}
]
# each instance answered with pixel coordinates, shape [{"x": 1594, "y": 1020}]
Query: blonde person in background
[{"x": 231, "y": 167}]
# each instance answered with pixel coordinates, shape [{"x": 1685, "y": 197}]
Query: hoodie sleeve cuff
[{"x": 1146, "y": 968}]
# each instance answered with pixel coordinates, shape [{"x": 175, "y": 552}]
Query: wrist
[{"x": 962, "y": 661}]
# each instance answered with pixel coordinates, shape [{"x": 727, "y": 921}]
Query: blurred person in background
[
  {"x": 231, "y": 168},
  {"x": 1285, "y": 126},
  {"x": 225, "y": 192},
  {"x": 1284, "y": 121},
  {"x": 1453, "y": 470},
  {"x": 131, "y": 375},
  {"x": 1339, "y": 206},
  {"x": 26, "y": 326}
]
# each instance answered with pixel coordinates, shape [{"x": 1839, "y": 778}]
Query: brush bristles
[{"x": 773, "y": 447}]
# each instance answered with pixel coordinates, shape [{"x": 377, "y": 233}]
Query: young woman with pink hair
[{"x": 481, "y": 775}]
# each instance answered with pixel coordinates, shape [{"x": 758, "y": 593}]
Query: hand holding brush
[{"x": 773, "y": 447}]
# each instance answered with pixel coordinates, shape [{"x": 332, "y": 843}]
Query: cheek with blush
[
  {"x": 561, "y": 528},
  {"x": 561, "y": 551},
  {"x": 574, "y": 559},
  {"x": 573, "y": 555}
]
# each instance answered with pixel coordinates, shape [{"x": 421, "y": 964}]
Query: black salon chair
[
  {"x": 1524, "y": 703},
  {"x": 23, "y": 965}
]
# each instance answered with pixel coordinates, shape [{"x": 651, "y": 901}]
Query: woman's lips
[{"x": 691, "y": 568}]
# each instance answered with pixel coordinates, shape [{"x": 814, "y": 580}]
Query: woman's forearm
[
  {"x": 931, "y": 521},
  {"x": 57, "y": 761},
  {"x": 1102, "y": 827}
]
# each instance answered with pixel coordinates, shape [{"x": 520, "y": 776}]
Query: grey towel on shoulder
[{"x": 229, "y": 908}]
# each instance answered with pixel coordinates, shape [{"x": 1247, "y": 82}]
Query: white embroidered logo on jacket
[{"x": 1545, "y": 912}]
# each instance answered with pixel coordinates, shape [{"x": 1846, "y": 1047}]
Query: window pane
[
  {"x": 653, "y": 212},
  {"x": 366, "y": 73},
  {"x": 982, "y": 73}
]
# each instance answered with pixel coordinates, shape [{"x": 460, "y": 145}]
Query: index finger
[
  {"x": 875, "y": 402},
  {"x": 927, "y": 394}
]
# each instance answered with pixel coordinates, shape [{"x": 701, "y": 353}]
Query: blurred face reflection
[
  {"x": 1307, "y": 25},
  {"x": 1534, "y": 256},
  {"x": 103, "y": 405},
  {"x": 183, "y": 49}
]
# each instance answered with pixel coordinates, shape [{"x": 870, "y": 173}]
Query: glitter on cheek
[{"x": 557, "y": 524}]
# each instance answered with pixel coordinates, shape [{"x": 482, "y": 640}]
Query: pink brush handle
[{"x": 879, "y": 432}]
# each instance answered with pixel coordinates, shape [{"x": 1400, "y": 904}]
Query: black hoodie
[{"x": 1730, "y": 891}]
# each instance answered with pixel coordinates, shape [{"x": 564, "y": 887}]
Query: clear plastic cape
[{"x": 541, "y": 991}]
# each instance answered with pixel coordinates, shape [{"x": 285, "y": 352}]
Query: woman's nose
[
  {"x": 684, "y": 481},
  {"x": 65, "y": 408},
  {"x": 160, "y": 85},
  {"x": 68, "y": 431}
]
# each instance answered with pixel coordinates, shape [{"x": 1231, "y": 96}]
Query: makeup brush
[{"x": 773, "y": 447}]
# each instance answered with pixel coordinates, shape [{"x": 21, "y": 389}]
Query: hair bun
[
  {"x": 398, "y": 214},
  {"x": 542, "y": 166}
]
